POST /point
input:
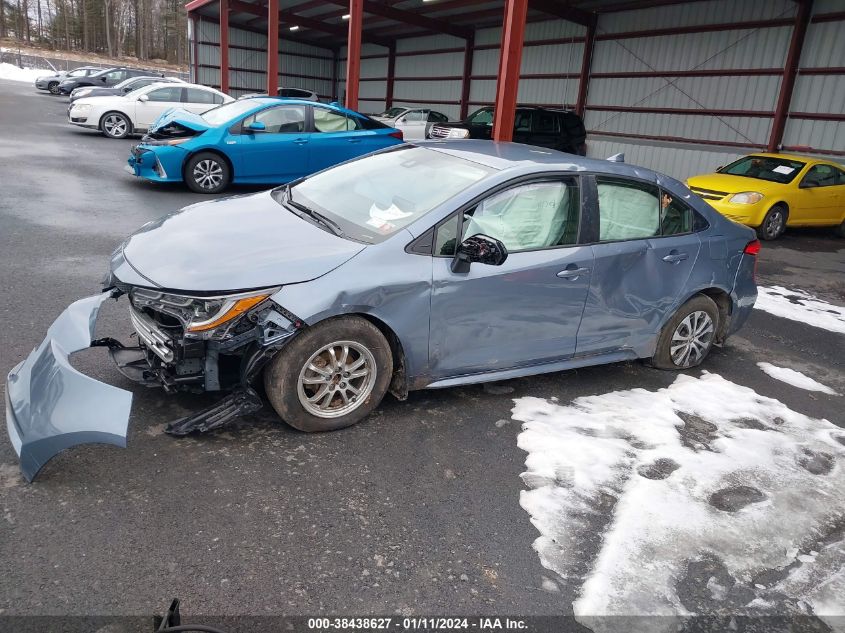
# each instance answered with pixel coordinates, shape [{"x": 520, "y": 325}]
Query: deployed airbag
[{"x": 50, "y": 406}]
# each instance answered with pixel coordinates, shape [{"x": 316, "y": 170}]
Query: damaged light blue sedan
[{"x": 420, "y": 266}]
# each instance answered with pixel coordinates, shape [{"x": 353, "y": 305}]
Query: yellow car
[{"x": 772, "y": 191}]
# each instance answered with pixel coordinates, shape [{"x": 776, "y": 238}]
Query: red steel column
[
  {"x": 353, "y": 53},
  {"x": 507, "y": 84},
  {"x": 224, "y": 46},
  {"x": 334, "y": 75},
  {"x": 466, "y": 78},
  {"x": 789, "y": 71},
  {"x": 272, "y": 46},
  {"x": 584, "y": 78},
  {"x": 391, "y": 75},
  {"x": 195, "y": 27}
]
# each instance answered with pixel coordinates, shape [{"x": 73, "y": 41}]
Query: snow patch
[
  {"x": 703, "y": 497},
  {"x": 795, "y": 378},
  {"x": 801, "y": 306},
  {"x": 13, "y": 73}
]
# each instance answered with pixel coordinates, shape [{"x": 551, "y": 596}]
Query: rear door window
[
  {"x": 195, "y": 95},
  {"x": 169, "y": 94},
  {"x": 676, "y": 217},
  {"x": 328, "y": 121},
  {"x": 628, "y": 210}
]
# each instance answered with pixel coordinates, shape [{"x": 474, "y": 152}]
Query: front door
[
  {"x": 278, "y": 153},
  {"x": 643, "y": 260},
  {"x": 413, "y": 123},
  {"x": 822, "y": 196},
  {"x": 158, "y": 100},
  {"x": 526, "y": 311}
]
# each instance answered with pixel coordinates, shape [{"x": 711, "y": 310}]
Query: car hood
[
  {"x": 182, "y": 117},
  {"x": 731, "y": 184},
  {"x": 237, "y": 243}
]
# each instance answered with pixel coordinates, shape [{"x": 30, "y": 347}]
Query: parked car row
[{"x": 65, "y": 82}]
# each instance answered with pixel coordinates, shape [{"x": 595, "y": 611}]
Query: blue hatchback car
[{"x": 260, "y": 140}]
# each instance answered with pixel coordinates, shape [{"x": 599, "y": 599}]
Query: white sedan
[
  {"x": 135, "y": 112},
  {"x": 414, "y": 122}
]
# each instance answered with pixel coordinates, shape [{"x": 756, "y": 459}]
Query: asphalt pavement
[{"x": 414, "y": 511}]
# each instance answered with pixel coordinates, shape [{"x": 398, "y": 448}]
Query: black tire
[
  {"x": 663, "y": 355},
  {"x": 774, "y": 224},
  {"x": 115, "y": 125},
  {"x": 207, "y": 172},
  {"x": 840, "y": 230},
  {"x": 53, "y": 87},
  {"x": 286, "y": 392}
]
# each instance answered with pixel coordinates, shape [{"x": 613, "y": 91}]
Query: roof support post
[
  {"x": 507, "y": 84},
  {"x": 195, "y": 27},
  {"x": 272, "y": 47},
  {"x": 466, "y": 78},
  {"x": 790, "y": 70},
  {"x": 334, "y": 74},
  {"x": 391, "y": 75},
  {"x": 586, "y": 61},
  {"x": 224, "y": 46},
  {"x": 353, "y": 52}
]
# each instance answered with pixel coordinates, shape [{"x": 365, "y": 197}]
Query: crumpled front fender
[{"x": 50, "y": 406}]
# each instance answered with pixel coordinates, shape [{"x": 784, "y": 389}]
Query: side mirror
[
  {"x": 402, "y": 120},
  {"x": 257, "y": 126},
  {"x": 481, "y": 249},
  {"x": 144, "y": 98}
]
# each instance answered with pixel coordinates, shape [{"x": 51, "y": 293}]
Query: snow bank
[
  {"x": 28, "y": 75},
  {"x": 651, "y": 500},
  {"x": 801, "y": 306},
  {"x": 795, "y": 378}
]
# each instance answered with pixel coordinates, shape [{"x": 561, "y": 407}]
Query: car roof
[
  {"x": 803, "y": 159},
  {"x": 306, "y": 102},
  {"x": 504, "y": 156}
]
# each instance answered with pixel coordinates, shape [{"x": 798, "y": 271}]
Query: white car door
[
  {"x": 412, "y": 123},
  {"x": 157, "y": 101},
  {"x": 198, "y": 100}
]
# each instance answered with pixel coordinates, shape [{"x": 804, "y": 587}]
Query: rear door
[
  {"x": 280, "y": 152},
  {"x": 158, "y": 100},
  {"x": 645, "y": 249},
  {"x": 545, "y": 131},
  {"x": 337, "y": 137},
  {"x": 526, "y": 311},
  {"x": 197, "y": 100},
  {"x": 413, "y": 123}
]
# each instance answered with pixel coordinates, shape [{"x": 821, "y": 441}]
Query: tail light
[
  {"x": 752, "y": 248},
  {"x": 397, "y": 134}
]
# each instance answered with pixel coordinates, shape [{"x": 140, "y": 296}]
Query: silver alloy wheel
[
  {"x": 115, "y": 125},
  {"x": 337, "y": 379},
  {"x": 208, "y": 174},
  {"x": 773, "y": 223},
  {"x": 53, "y": 87},
  {"x": 691, "y": 339}
]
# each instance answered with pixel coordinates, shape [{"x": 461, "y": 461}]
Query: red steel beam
[
  {"x": 272, "y": 46},
  {"x": 224, "y": 46},
  {"x": 569, "y": 13},
  {"x": 334, "y": 75},
  {"x": 675, "y": 139},
  {"x": 510, "y": 59},
  {"x": 195, "y": 22},
  {"x": 698, "y": 28},
  {"x": 586, "y": 61},
  {"x": 414, "y": 19},
  {"x": 796, "y": 43},
  {"x": 353, "y": 55},
  {"x": 391, "y": 76},
  {"x": 685, "y": 111},
  {"x": 466, "y": 79}
]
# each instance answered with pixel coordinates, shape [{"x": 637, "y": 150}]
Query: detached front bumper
[
  {"x": 162, "y": 164},
  {"x": 50, "y": 406}
]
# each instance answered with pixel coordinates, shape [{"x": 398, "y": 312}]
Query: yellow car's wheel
[
  {"x": 840, "y": 230},
  {"x": 774, "y": 224}
]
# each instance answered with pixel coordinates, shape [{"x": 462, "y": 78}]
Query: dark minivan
[{"x": 554, "y": 128}]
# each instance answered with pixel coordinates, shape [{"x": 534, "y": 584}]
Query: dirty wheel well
[
  {"x": 725, "y": 305},
  {"x": 399, "y": 382}
]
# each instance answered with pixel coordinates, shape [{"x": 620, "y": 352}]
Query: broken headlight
[{"x": 200, "y": 316}]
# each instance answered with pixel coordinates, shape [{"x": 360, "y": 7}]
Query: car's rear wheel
[
  {"x": 331, "y": 375},
  {"x": 53, "y": 87},
  {"x": 115, "y": 125},
  {"x": 688, "y": 337},
  {"x": 207, "y": 172},
  {"x": 774, "y": 224}
]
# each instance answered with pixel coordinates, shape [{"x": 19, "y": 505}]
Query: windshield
[
  {"x": 374, "y": 197},
  {"x": 228, "y": 111},
  {"x": 392, "y": 113},
  {"x": 484, "y": 116},
  {"x": 782, "y": 170}
]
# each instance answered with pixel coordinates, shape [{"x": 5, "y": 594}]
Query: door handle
[
  {"x": 674, "y": 257},
  {"x": 572, "y": 273},
  {"x": 300, "y": 141},
  {"x": 353, "y": 140}
]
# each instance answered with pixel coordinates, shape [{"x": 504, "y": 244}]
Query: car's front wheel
[
  {"x": 331, "y": 375},
  {"x": 840, "y": 230},
  {"x": 53, "y": 87},
  {"x": 689, "y": 335},
  {"x": 207, "y": 172},
  {"x": 774, "y": 224},
  {"x": 115, "y": 125}
]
